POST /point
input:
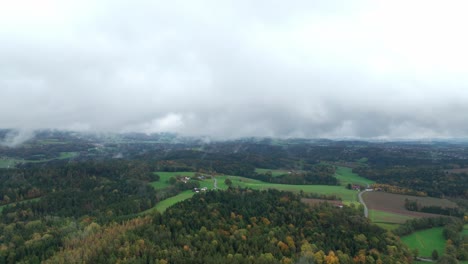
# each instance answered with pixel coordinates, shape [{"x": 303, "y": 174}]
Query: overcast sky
[{"x": 368, "y": 69}]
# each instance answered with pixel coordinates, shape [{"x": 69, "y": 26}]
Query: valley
[{"x": 101, "y": 184}]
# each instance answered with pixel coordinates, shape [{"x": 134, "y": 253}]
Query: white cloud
[{"x": 236, "y": 68}]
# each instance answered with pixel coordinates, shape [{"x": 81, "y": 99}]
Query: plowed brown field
[{"x": 395, "y": 203}]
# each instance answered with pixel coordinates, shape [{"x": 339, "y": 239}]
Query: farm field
[
  {"x": 387, "y": 210},
  {"x": 387, "y": 218},
  {"x": 164, "y": 178},
  {"x": 166, "y": 203},
  {"x": 163, "y": 183},
  {"x": 426, "y": 241},
  {"x": 345, "y": 194},
  {"x": 7, "y": 162},
  {"x": 68, "y": 155},
  {"x": 462, "y": 170},
  {"x": 313, "y": 201},
  {"x": 274, "y": 173},
  {"x": 394, "y": 203},
  {"x": 346, "y": 175},
  {"x": 50, "y": 141},
  {"x": 348, "y": 196},
  {"x": 363, "y": 160},
  {"x": 236, "y": 181}
]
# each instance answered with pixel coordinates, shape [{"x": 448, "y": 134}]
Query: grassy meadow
[
  {"x": 378, "y": 216},
  {"x": 68, "y": 155},
  {"x": 348, "y": 196},
  {"x": 345, "y": 194},
  {"x": 7, "y": 162},
  {"x": 346, "y": 175},
  {"x": 274, "y": 173},
  {"x": 426, "y": 241},
  {"x": 165, "y": 176},
  {"x": 388, "y": 211},
  {"x": 164, "y": 204}
]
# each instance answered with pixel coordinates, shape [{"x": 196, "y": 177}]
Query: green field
[
  {"x": 164, "y": 183},
  {"x": 387, "y": 220},
  {"x": 7, "y": 162},
  {"x": 164, "y": 178},
  {"x": 345, "y": 194},
  {"x": 164, "y": 204},
  {"x": 465, "y": 230},
  {"x": 348, "y": 196},
  {"x": 68, "y": 155},
  {"x": 388, "y": 226},
  {"x": 426, "y": 241},
  {"x": 377, "y": 216},
  {"x": 363, "y": 160},
  {"x": 50, "y": 141},
  {"x": 274, "y": 173},
  {"x": 346, "y": 175}
]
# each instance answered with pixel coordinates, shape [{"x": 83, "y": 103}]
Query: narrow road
[
  {"x": 424, "y": 259},
  {"x": 366, "y": 212},
  {"x": 215, "y": 183}
]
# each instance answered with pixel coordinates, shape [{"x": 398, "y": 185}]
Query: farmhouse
[
  {"x": 185, "y": 179},
  {"x": 197, "y": 190}
]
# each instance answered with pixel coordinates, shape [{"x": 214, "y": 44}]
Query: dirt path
[
  {"x": 366, "y": 211},
  {"x": 215, "y": 183},
  {"x": 424, "y": 259}
]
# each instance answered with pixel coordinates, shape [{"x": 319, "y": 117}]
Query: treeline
[
  {"x": 97, "y": 189},
  {"x": 175, "y": 188},
  {"x": 397, "y": 190},
  {"x": 416, "y": 224},
  {"x": 457, "y": 243},
  {"x": 70, "y": 197},
  {"x": 43, "y": 151},
  {"x": 244, "y": 226},
  {"x": 192, "y": 160},
  {"x": 430, "y": 180},
  {"x": 35, "y": 180},
  {"x": 319, "y": 174},
  {"x": 414, "y": 205},
  {"x": 104, "y": 200}
]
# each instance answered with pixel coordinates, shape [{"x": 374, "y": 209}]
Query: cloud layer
[{"x": 370, "y": 69}]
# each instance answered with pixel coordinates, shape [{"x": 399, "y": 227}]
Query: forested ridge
[
  {"x": 431, "y": 180},
  {"x": 245, "y": 226},
  {"x": 98, "y": 205}
]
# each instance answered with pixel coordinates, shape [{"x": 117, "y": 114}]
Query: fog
[{"x": 227, "y": 69}]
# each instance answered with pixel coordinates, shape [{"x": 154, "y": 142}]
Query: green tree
[
  {"x": 172, "y": 180},
  {"x": 228, "y": 182},
  {"x": 446, "y": 259}
]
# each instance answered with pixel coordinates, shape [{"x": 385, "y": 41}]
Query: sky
[{"x": 226, "y": 69}]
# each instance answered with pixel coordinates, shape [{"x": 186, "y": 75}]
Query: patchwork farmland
[{"x": 388, "y": 210}]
